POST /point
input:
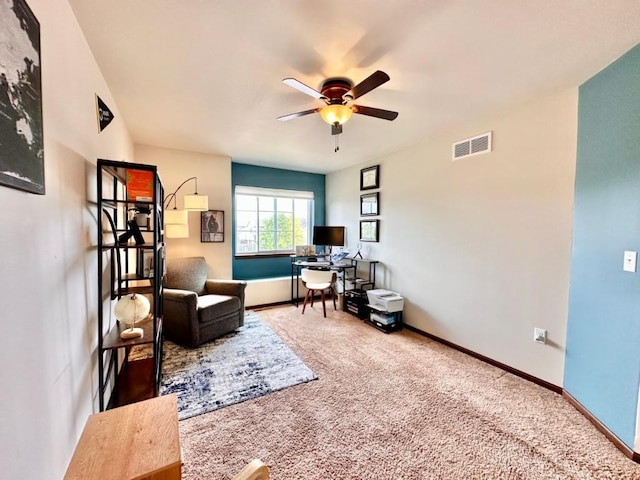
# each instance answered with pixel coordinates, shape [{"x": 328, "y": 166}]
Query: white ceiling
[{"x": 206, "y": 75}]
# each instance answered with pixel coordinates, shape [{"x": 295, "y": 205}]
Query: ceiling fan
[{"x": 337, "y": 93}]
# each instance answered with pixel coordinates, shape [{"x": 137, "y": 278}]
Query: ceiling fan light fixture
[{"x": 333, "y": 114}]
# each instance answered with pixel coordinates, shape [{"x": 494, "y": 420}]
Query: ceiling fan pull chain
[{"x": 335, "y": 150}]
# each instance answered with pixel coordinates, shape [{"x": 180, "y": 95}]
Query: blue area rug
[{"x": 240, "y": 366}]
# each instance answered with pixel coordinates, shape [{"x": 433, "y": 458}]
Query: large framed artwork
[
  {"x": 21, "y": 139},
  {"x": 212, "y": 229}
]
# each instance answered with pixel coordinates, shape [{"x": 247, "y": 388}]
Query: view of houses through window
[{"x": 271, "y": 221}]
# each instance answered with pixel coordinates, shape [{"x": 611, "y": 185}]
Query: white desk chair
[{"x": 318, "y": 280}]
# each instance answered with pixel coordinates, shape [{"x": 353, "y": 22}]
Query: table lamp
[{"x": 129, "y": 310}]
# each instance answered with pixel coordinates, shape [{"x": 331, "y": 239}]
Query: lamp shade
[
  {"x": 177, "y": 230},
  {"x": 176, "y": 217},
  {"x": 196, "y": 202},
  {"x": 333, "y": 114},
  {"x": 132, "y": 308}
]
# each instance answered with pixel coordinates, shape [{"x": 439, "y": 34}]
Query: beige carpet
[{"x": 396, "y": 406}]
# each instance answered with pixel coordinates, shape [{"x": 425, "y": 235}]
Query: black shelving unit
[
  {"x": 384, "y": 321},
  {"x": 363, "y": 279},
  {"x": 124, "y": 267}
]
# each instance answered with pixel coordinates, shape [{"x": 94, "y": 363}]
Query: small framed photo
[
  {"x": 212, "y": 226},
  {"x": 369, "y": 230},
  {"x": 370, "y": 177},
  {"x": 305, "y": 250},
  {"x": 369, "y": 204}
]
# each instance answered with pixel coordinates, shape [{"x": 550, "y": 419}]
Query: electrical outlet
[
  {"x": 539, "y": 335},
  {"x": 629, "y": 264}
]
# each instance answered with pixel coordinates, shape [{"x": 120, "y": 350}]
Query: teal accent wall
[
  {"x": 602, "y": 366},
  {"x": 253, "y": 176}
]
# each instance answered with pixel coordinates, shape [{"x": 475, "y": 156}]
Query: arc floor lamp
[{"x": 176, "y": 221}]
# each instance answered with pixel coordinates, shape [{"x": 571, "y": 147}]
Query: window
[{"x": 271, "y": 221}]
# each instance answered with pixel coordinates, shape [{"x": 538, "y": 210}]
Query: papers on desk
[{"x": 336, "y": 257}]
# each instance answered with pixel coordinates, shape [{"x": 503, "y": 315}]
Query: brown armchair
[{"x": 198, "y": 309}]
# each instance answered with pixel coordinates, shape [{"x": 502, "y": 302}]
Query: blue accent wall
[
  {"x": 602, "y": 365},
  {"x": 253, "y": 176}
]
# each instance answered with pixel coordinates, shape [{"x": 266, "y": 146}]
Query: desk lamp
[{"x": 129, "y": 310}]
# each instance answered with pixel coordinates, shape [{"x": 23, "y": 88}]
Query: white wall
[
  {"x": 480, "y": 247},
  {"x": 48, "y": 262},
  {"x": 214, "y": 179},
  {"x": 269, "y": 290}
]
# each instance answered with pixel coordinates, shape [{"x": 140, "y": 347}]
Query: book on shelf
[{"x": 139, "y": 185}]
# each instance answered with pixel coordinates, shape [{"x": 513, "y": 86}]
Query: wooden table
[{"x": 137, "y": 441}]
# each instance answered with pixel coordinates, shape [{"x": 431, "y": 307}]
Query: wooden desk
[{"x": 137, "y": 441}]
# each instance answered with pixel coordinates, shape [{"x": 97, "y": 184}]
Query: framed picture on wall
[
  {"x": 369, "y": 204},
  {"x": 369, "y": 230},
  {"x": 212, "y": 226},
  {"x": 22, "y": 152},
  {"x": 370, "y": 177}
]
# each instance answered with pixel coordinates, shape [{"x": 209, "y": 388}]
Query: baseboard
[
  {"x": 264, "y": 306},
  {"x": 619, "y": 444},
  {"x": 628, "y": 452},
  {"x": 284, "y": 302},
  {"x": 490, "y": 361}
]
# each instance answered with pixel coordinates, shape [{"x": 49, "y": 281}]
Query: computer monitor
[{"x": 328, "y": 236}]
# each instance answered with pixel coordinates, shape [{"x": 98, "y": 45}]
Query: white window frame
[{"x": 271, "y": 193}]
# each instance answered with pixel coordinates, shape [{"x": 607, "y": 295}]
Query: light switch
[{"x": 629, "y": 264}]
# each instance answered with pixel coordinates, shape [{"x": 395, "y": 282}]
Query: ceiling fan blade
[
  {"x": 372, "y": 81},
  {"x": 375, "y": 112},
  {"x": 292, "y": 82},
  {"x": 291, "y": 116}
]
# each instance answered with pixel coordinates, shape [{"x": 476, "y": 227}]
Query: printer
[{"x": 385, "y": 300}]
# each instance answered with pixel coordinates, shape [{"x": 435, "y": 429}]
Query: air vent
[{"x": 472, "y": 146}]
